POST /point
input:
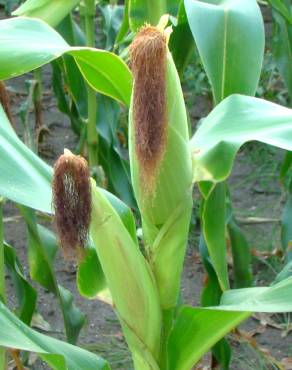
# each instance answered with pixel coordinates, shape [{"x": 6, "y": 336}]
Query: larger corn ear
[
  {"x": 130, "y": 281},
  {"x": 162, "y": 178}
]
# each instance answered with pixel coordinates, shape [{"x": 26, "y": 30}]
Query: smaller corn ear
[
  {"x": 160, "y": 158},
  {"x": 50, "y": 11},
  {"x": 130, "y": 281},
  {"x": 77, "y": 203}
]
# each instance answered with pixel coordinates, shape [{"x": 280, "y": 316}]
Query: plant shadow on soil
[{"x": 255, "y": 192}]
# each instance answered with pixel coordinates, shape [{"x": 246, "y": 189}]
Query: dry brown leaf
[
  {"x": 242, "y": 336},
  {"x": 287, "y": 362},
  {"x": 265, "y": 254},
  {"x": 266, "y": 320},
  {"x": 39, "y": 322},
  {"x": 260, "y": 329}
]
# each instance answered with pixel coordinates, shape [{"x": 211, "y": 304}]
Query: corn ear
[
  {"x": 163, "y": 189},
  {"x": 50, "y": 11},
  {"x": 129, "y": 279}
]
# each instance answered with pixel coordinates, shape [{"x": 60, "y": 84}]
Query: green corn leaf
[
  {"x": 125, "y": 25},
  {"x": 25, "y": 293},
  {"x": 105, "y": 72},
  {"x": 76, "y": 84},
  {"x": 74, "y": 319},
  {"x": 211, "y": 292},
  {"x": 276, "y": 298},
  {"x": 181, "y": 42},
  {"x": 235, "y": 121},
  {"x": 149, "y": 11},
  {"x": 70, "y": 30},
  {"x": 229, "y": 35},
  {"x": 30, "y": 43},
  {"x": 282, "y": 6},
  {"x": 40, "y": 258},
  {"x": 284, "y": 274},
  {"x": 111, "y": 154},
  {"x": 210, "y": 296},
  {"x": 222, "y": 352},
  {"x": 42, "y": 246},
  {"x": 90, "y": 277},
  {"x": 22, "y": 172},
  {"x": 241, "y": 253},
  {"x": 27, "y": 44},
  {"x": 59, "y": 355},
  {"x": 195, "y": 331},
  {"x": 50, "y": 11},
  {"x": 213, "y": 217},
  {"x": 286, "y": 165},
  {"x": 70, "y": 73},
  {"x": 112, "y": 22},
  {"x": 66, "y": 103}
]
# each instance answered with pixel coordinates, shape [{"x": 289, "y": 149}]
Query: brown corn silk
[
  {"x": 148, "y": 64},
  {"x": 72, "y": 203}
]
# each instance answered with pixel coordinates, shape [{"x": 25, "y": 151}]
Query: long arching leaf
[
  {"x": 25, "y": 178},
  {"x": 59, "y": 355},
  {"x": 235, "y": 121},
  {"x": 27, "y": 44},
  {"x": 196, "y": 330},
  {"x": 229, "y": 35}
]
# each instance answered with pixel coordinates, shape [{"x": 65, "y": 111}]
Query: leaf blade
[
  {"x": 218, "y": 28},
  {"x": 30, "y": 43},
  {"x": 196, "y": 330},
  {"x": 60, "y": 355},
  {"x": 237, "y": 120}
]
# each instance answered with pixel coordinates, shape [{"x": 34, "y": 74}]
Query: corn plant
[
  {"x": 143, "y": 281},
  {"x": 282, "y": 43}
]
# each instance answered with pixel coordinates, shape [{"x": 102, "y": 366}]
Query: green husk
[
  {"x": 129, "y": 279},
  {"x": 166, "y": 207}
]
